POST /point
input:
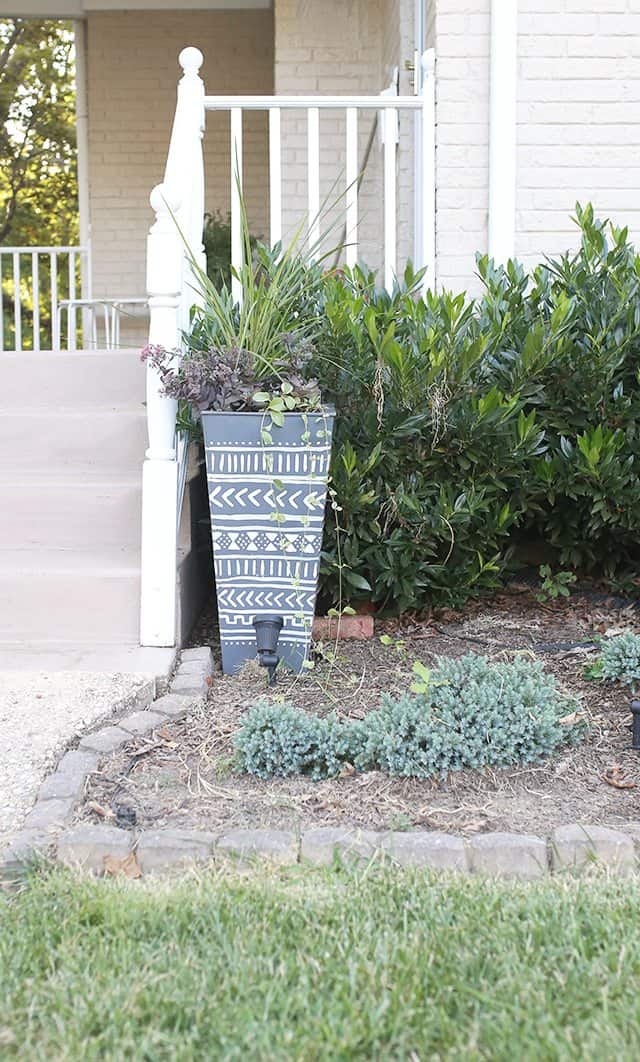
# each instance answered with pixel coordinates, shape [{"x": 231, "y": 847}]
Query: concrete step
[
  {"x": 82, "y": 379},
  {"x": 73, "y": 512},
  {"x": 58, "y": 439},
  {"x": 98, "y": 658},
  {"x": 81, "y": 597},
  {"x": 73, "y": 438}
]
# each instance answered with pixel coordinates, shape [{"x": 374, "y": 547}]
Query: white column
[
  {"x": 184, "y": 173},
  {"x": 427, "y": 212},
  {"x": 502, "y": 129}
]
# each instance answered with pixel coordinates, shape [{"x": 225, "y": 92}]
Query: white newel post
[
  {"x": 179, "y": 208},
  {"x": 160, "y": 469},
  {"x": 185, "y": 171}
]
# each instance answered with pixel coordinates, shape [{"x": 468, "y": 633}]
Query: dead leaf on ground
[
  {"x": 101, "y": 810},
  {"x": 144, "y": 750},
  {"x": 128, "y": 866},
  {"x": 573, "y": 717},
  {"x": 616, "y": 776},
  {"x": 347, "y": 771}
]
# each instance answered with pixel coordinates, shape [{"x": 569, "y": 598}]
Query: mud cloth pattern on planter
[{"x": 267, "y": 504}]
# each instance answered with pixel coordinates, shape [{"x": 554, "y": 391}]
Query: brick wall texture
[
  {"x": 578, "y": 118},
  {"x": 577, "y": 135},
  {"x": 133, "y": 73},
  {"x": 578, "y": 124}
]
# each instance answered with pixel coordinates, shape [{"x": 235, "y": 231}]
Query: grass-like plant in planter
[{"x": 267, "y": 440}]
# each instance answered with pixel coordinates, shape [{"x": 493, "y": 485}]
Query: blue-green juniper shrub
[
  {"x": 473, "y": 713},
  {"x": 278, "y": 740},
  {"x": 620, "y": 659}
]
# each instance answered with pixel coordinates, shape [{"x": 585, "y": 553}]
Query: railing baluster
[
  {"x": 275, "y": 177},
  {"x": 313, "y": 175},
  {"x": 55, "y": 320},
  {"x": 71, "y": 313},
  {"x": 351, "y": 251},
  {"x": 237, "y": 254},
  {"x": 17, "y": 307},
  {"x": 389, "y": 198},
  {"x": 35, "y": 289}
]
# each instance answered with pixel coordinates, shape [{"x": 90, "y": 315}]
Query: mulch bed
[{"x": 182, "y": 776}]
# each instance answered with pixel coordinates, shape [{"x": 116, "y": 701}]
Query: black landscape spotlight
[
  {"x": 635, "y": 739},
  {"x": 267, "y": 633}
]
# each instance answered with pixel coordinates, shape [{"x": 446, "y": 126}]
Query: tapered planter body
[{"x": 267, "y": 504}]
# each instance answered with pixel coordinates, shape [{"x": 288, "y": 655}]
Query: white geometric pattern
[{"x": 267, "y": 511}]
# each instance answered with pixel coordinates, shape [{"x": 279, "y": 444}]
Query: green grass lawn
[{"x": 306, "y": 964}]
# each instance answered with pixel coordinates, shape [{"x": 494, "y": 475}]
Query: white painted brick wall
[
  {"x": 578, "y": 118},
  {"x": 133, "y": 73},
  {"x": 578, "y": 124},
  {"x": 459, "y": 31}
]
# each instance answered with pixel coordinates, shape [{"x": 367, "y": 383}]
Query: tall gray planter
[{"x": 267, "y": 506}]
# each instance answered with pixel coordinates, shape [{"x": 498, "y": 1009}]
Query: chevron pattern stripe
[{"x": 267, "y": 510}]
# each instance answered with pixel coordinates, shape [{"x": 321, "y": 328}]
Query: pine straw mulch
[{"x": 182, "y": 775}]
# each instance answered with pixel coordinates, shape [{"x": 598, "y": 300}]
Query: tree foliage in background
[{"x": 38, "y": 175}]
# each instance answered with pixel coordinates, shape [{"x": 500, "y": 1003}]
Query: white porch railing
[
  {"x": 169, "y": 276},
  {"x": 388, "y": 107},
  {"x": 33, "y": 282}
]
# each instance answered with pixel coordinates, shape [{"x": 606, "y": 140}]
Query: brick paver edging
[{"x": 101, "y": 848}]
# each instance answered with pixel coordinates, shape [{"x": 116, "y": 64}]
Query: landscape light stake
[
  {"x": 267, "y": 633},
  {"x": 635, "y": 740}
]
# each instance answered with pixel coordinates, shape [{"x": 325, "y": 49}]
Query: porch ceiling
[{"x": 80, "y": 8}]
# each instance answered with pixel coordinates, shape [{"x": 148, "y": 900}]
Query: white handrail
[
  {"x": 263, "y": 103},
  {"x": 390, "y": 105},
  {"x": 29, "y": 248}
]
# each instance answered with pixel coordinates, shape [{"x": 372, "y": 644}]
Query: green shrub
[
  {"x": 279, "y": 740},
  {"x": 430, "y": 456},
  {"x": 467, "y": 427},
  {"x": 216, "y": 239},
  {"x": 567, "y": 338},
  {"x": 474, "y": 713},
  {"x": 620, "y": 659}
]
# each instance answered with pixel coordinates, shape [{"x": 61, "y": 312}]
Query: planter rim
[{"x": 326, "y": 411}]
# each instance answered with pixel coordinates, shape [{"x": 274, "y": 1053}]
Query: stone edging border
[{"x": 101, "y": 848}]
